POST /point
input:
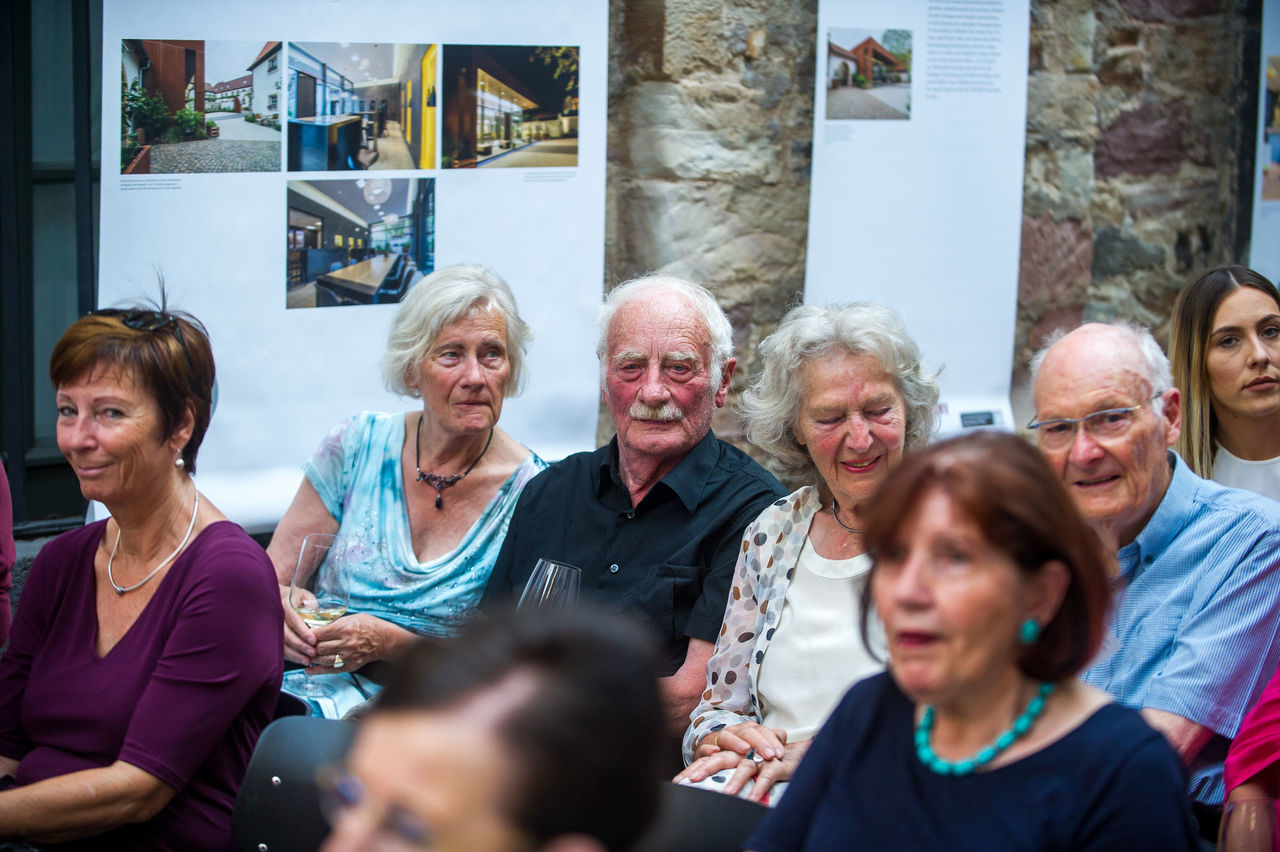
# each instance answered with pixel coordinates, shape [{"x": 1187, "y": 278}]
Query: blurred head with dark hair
[
  {"x": 971, "y": 538},
  {"x": 506, "y": 738},
  {"x": 134, "y": 389}
]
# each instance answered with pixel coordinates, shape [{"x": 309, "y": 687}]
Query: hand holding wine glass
[{"x": 318, "y": 593}]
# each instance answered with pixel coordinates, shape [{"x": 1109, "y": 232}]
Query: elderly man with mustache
[{"x": 655, "y": 518}]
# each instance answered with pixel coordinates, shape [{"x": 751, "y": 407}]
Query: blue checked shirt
[{"x": 1195, "y": 614}]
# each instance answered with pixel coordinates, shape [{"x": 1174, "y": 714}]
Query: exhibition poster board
[
  {"x": 1264, "y": 253},
  {"x": 916, "y": 200},
  {"x": 293, "y": 169}
]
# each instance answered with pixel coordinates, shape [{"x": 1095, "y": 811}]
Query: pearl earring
[{"x": 178, "y": 462}]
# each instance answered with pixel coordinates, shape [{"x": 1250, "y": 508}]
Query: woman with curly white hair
[{"x": 842, "y": 395}]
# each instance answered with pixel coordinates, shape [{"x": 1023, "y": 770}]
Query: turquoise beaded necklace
[{"x": 1015, "y": 732}]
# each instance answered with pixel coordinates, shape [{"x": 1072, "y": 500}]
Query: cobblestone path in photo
[
  {"x": 855, "y": 103},
  {"x": 215, "y": 155}
]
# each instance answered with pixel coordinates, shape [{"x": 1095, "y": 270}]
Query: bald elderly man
[{"x": 1193, "y": 628}]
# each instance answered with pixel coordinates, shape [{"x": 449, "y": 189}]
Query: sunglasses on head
[{"x": 140, "y": 319}]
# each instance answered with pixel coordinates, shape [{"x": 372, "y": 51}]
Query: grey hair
[
  {"x": 1155, "y": 362},
  {"x": 439, "y": 300},
  {"x": 719, "y": 330},
  {"x": 772, "y": 404}
]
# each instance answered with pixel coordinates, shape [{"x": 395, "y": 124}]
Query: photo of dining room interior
[
  {"x": 358, "y": 242},
  {"x": 361, "y": 106},
  {"x": 509, "y": 106}
]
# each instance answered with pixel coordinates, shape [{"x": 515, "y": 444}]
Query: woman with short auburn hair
[{"x": 144, "y": 658}]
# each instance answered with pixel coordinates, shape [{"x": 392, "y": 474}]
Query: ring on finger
[
  {"x": 754, "y": 758},
  {"x": 338, "y": 661}
]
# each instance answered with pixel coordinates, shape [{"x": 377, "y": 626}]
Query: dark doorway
[{"x": 306, "y": 95}]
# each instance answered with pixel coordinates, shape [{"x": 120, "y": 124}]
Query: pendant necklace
[
  {"x": 435, "y": 480},
  {"x": 120, "y": 590}
]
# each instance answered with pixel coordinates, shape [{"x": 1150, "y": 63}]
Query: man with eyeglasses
[{"x": 1194, "y": 636}]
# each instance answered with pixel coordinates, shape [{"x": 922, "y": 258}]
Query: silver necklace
[
  {"x": 834, "y": 506},
  {"x": 120, "y": 590}
]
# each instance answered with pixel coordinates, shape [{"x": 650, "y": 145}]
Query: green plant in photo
[
  {"x": 189, "y": 122},
  {"x": 859, "y": 81},
  {"x": 144, "y": 111}
]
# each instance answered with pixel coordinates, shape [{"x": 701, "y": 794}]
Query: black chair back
[
  {"x": 278, "y": 809},
  {"x": 695, "y": 820}
]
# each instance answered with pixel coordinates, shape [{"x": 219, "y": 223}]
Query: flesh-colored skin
[
  {"x": 1243, "y": 364},
  {"x": 659, "y": 357},
  {"x": 1117, "y": 484}
]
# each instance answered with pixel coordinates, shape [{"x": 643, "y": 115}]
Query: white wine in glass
[{"x": 318, "y": 592}]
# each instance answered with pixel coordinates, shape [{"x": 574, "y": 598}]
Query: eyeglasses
[
  {"x": 1106, "y": 425},
  {"x": 341, "y": 792},
  {"x": 139, "y": 319}
]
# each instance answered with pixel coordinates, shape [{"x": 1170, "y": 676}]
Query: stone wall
[
  {"x": 1141, "y": 117},
  {"x": 1140, "y": 127}
]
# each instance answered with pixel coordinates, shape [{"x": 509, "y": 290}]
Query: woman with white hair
[
  {"x": 421, "y": 499},
  {"x": 843, "y": 394}
]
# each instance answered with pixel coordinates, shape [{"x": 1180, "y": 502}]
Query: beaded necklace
[{"x": 967, "y": 766}]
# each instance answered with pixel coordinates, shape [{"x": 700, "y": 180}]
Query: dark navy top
[
  {"x": 1112, "y": 783},
  {"x": 668, "y": 560}
]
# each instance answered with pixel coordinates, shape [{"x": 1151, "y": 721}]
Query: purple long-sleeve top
[{"x": 182, "y": 695}]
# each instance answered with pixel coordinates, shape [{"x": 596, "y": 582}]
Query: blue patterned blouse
[{"x": 357, "y": 473}]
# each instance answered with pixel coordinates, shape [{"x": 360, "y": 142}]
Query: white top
[
  {"x": 1260, "y": 477},
  {"x": 817, "y": 651}
]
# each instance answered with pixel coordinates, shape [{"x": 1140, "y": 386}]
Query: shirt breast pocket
[{"x": 678, "y": 592}]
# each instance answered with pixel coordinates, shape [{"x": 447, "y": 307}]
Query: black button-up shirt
[{"x": 669, "y": 560}]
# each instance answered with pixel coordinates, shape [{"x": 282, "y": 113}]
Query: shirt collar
[
  {"x": 1168, "y": 519},
  {"x": 688, "y": 479}
]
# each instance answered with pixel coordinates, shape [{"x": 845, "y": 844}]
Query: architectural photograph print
[
  {"x": 868, "y": 74},
  {"x": 199, "y": 106},
  {"x": 1271, "y": 132},
  {"x": 361, "y": 106},
  {"x": 509, "y": 106},
  {"x": 358, "y": 242}
]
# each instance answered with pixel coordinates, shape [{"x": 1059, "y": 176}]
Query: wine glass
[
  {"x": 552, "y": 584},
  {"x": 1248, "y": 825},
  {"x": 318, "y": 591}
]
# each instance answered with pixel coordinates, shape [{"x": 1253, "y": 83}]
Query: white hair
[
  {"x": 719, "y": 330},
  {"x": 439, "y": 300},
  {"x": 1154, "y": 362},
  {"x": 808, "y": 332}
]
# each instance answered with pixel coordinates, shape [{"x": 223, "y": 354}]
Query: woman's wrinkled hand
[
  {"x": 747, "y": 767},
  {"x": 299, "y": 639},
  {"x": 357, "y": 639},
  {"x": 768, "y": 743}
]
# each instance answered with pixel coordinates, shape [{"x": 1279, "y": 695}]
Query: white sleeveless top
[{"x": 816, "y": 653}]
